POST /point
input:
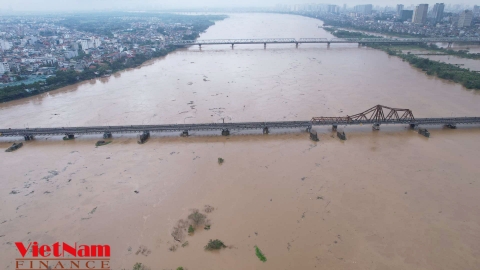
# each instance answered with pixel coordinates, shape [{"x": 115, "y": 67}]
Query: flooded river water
[{"x": 380, "y": 200}]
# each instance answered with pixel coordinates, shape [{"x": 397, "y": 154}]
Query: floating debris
[{"x": 14, "y": 147}]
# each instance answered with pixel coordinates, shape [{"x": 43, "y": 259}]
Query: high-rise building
[
  {"x": 406, "y": 15},
  {"x": 364, "y": 9},
  {"x": 399, "y": 10},
  {"x": 465, "y": 19},
  {"x": 438, "y": 11},
  {"x": 4, "y": 67},
  {"x": 476, "y": 10},
  {"x": 420, "y": 14},
  {"x": 331, "y": 8}
]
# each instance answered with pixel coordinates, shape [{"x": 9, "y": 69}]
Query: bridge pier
[
  {"x": 232, "y": 45},
  {"x": 314, "y": 136},
  {"x": 424, "y": 132},
  {"x": 184, "y": 133},
  {"x": 376, "y": 126},
  {"x": 264, "y": 45},
  {"x": 69, "y": 137},
  {"x": 296, "y": 45},
  {"x": 334, "y": 127},
  {"x": 328, "y": 44},
  {"x": 451, "y": 126},
  {"x": 225, "y": 132},
  {"x": 449, "y": 44},
  {"x": 341, "y": 135},
  {"x": 309, "y": 128},
  {"x": 265, "y": 130},
  {"x": 107, "y": 135},
  {"x": 200, "y": 46},
  {"x": 413, "y": 126},
  {"x": 142, "y": 138},
  {"x": 28, "y": 137}
]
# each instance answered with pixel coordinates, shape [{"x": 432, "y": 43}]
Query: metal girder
[
  {"x": 313, "y": 40},
  {"x": 375, "y": 114}
]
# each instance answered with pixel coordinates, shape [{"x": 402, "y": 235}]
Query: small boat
[
  {"x": 14, "y": 147},
  {"x": 341, "y": 135}
]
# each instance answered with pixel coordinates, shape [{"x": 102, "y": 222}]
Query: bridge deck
[
  {"x": 319, "y": 40},
  {"x": 230, "y": 126}
]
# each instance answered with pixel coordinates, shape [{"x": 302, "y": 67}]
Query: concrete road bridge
[
  {"x": 375, "y": 116},
  {"x": 360, "y": 41}
]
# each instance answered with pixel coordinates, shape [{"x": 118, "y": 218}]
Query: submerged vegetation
[
  {"x": 260, "y": 255},
  {"x": 215, "y": 245},
  {"x": 139, "y": 266},
  {"x": 469, "y": 79},
  {"x": 347, "y": 34}
]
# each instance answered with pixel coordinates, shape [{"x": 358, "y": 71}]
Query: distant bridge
[
  {"x": 266, "y": 41},
  {"x": 375, "y": 116}
]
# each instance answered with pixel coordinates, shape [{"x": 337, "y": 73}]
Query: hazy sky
[{"x": 63, "y": 5}]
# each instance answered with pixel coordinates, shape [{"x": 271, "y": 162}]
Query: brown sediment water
[{"x": 380, "y": 200}]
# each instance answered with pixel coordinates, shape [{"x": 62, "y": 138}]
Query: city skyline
[{"x": 99, "y": 5}]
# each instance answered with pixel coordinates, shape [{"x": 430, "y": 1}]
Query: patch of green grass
[
  {"x": 191, "y": 230},
  {"x": 185, "y": 244},
  {"x": 207, "y": 227},
  {"x": 215, "y": 244},
  {"x": 179, "y": 268},
  {"x": 260, "y": 255},
  {"x": 220, "y": 160}
]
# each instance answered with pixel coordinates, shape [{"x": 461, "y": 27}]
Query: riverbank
[
  {"x": 469, "y": 79},
  {"x": 97, "y": 69}
]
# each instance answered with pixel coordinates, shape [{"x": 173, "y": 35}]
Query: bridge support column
[
  {"x": 107, "y": 135},
  {"x": 334, "y": 127},
  {"x": 451, "y": 126},
  {"x": 142, "y": 138},
  {"x": 69, "y": 137},
  {"x": 314, "y": 136},
  {"x": 376, "y": 126},
  {"x": 296, "y": 45},
  {"x": 28, "y": 137},
  {"x": 449, "y": 44},
  {"x": 328, "y": 44},
  {"x": 200, "y": 46},
  {"x": 413, "y": 126},
  {"x": 184, "y": 133},
  {"x": 225, "y": 132},
  {"x": 265, "y": 130},
  {"x": 309, "y": 128},
  {"x": 264, "y": 45},
  {"x": 341, "y": 135},
  {"x": 424, "y": 132},
  {"x": 232, "y": 46},
  {"x": 359, "y": 45}
]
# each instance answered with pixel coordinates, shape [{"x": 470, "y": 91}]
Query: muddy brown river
[{"x": 389, "y": 199}]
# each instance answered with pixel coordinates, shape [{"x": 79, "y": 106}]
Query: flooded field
[{"x": 380, "y": 200}]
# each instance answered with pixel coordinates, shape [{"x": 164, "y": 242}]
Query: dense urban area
[
  {"x": 412, "y": 21},
  {"x": 41, "y": 53}
]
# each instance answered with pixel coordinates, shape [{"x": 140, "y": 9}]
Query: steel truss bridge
[
  {"x": 266, "y": 41},
  {"x": 376, "y": 116}
]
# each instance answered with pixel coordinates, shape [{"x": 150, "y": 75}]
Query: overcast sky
[{"x": 85, "y": 5}]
